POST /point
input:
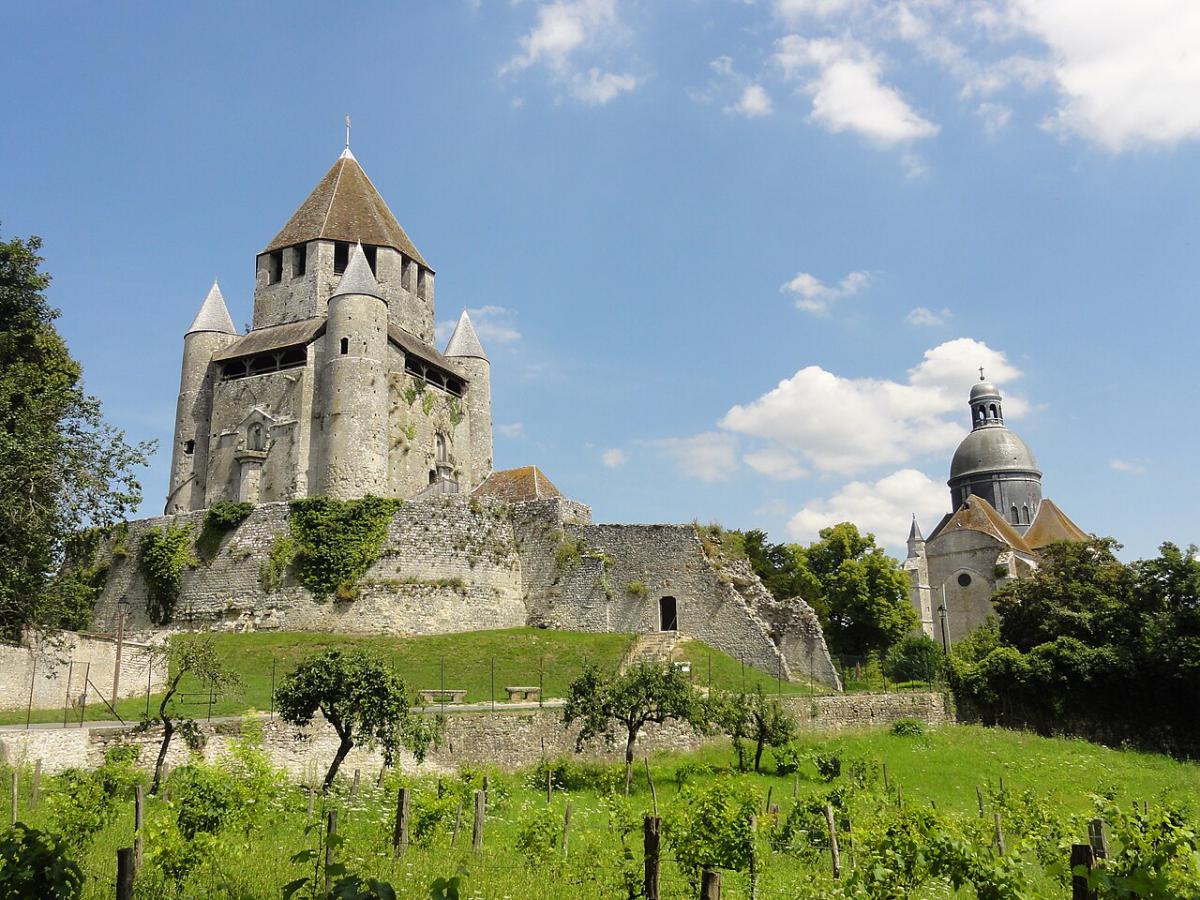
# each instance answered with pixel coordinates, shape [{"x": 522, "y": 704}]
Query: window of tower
[
  {"x": 993, "y": 411},
  {"x": 189, "y": 447},
  {"x": 440, "y": 442},
  {"x": 274, "y": 267},
  {"x": 1024, "y": 515},
  {"x": 422, "y": 282},
  {"x": 345, "y": 346},
  {"x": 406, "y": 266},
  {"x": 372, "y": 254},
  {"x": 299, "y": 260},
  {"x": 1013, "y": 516},
  {"x": 341, "y": 257}
]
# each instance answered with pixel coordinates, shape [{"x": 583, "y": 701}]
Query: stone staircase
[{"x": 655, "y": 647}]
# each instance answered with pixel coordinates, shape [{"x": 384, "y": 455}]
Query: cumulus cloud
[
  {"x": 1128, "y": 466},
  {"x": 847, "y": 90},
  {"x": 563, "y": 31},
  {"x": 794, "y": 10},
  {"x": 709, "y": 456},
  {"x": 814, "y": 296},
  {"x": 847, "y": 425},
  {"x": 493, "y": 324},
  {"x": 923, "y": 315},
  {"x": 754, "y": 102},
  {"x": 512, "y": 430},
  {"x": 775, "y": 462},
  {"x": 883, "y": 507},
  {"x": 614, "y": 458}
]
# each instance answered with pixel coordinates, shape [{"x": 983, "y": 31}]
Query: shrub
[
  {"x": 162, "y": 557},
  {"x": 204, "y": 798},
  {"x": 570, "y": 775},
  {"x": 34, "y": 864},
  {"x": 637, "y": 588},
  {"x": 79, "y": 807},
  {"x": 787, "y": 759},
  {"x": 280, "y": 558},
  {"x": 709, "y": 828},
  {"x": 908, "y": 728},
  {"x": 691, "y": 771},
  {"x": 916, "y": 658},
  {"x": 538, "y": 837},
  {"x": 829, "y": 766}
]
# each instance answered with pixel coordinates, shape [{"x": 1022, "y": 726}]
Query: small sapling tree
[
  {"x": 752, "y": 717},
  {"x": 186, "y": 656},
  {"x": 647, "y": 692},
  {"x": 361, "y": 698}
]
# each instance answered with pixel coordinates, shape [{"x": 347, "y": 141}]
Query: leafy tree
[
  {"x": 864, "y": 593},
  {"x": 61, "y": 466},
  {"x": 361, "y": 698},
  {"x": 647, "y": 692},
  {"x": 755, "y": 718},
  {"x": 186, "y": 656},
  {"x": 782, "y": 568},
  {"x": 917, "y": 657},
  {"x": 34, "y": 864}
]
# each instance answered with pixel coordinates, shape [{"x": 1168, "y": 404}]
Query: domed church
[{"x": 999, "y": 524}]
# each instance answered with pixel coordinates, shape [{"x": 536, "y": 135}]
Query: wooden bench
[
  {"x": 436, "y": 696},
  {"x": 523, "y": 693}
]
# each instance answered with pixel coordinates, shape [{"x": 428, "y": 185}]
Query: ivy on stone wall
[
  {"x": 162, "y": 556},
  {"x": 87, "y": 559},
  {"x": 337, "y": 541},
  {"x": 454, "y": 407},
  {"x": 275, "y": 566},
  {"x": 220, "y": 519}
]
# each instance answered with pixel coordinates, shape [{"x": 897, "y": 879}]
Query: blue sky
[{"x": 733, "y": 261}]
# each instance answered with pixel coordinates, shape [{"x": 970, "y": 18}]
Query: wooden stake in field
[
  {"x": 753, "y": 858},
  {"x": 125, "y": 873},
  {"x": 35, "y": 788},
  {"x": 14, "y": 798},
  {"x": 833, "y": 843},
  {"x": 651, "y": 831},
  {"x": 650, "y": 781},
  {"x": 1082, "y": 855},
  {"x": 710, "y": 885},
  {"x": 549, "y": 785},
  {"x": 979, "y": 799},
  {"x": 457, "y": 824},
  {"x": 330, "y": 831},
  {"x": 400, "y": 831},
  {"x": 566, "y": 827},
  {"x": 138, "y": 819},
  {"x": 477, "y": 825},
  {"x": 999, "y": 834},
  {"x": 354, "y": 785},
  {"x": 1098, "y": 838}
]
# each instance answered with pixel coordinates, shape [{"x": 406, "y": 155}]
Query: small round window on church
[{"x": 964, "y": 580}]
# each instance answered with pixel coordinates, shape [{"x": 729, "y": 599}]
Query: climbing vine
[
  {"x": 336, "y": 541},
  {"x": 281, "y": 556},
  {"x": 78, "y": 586},
  {"x": 220, "y": 519},
  {"x": 454, "y": 407},
  {"x": 162, "y": 556}
]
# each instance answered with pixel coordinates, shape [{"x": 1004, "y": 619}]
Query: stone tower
[
  {"x": 917, "y": 567},
  {"x": 353, "y": 439},
  {"x": 211, "y": 331},
  {"x": 465, "y": 349},
  {"x": 994, "y": 463}
]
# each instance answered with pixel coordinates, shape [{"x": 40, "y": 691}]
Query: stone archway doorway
[{"x": 668, "y": 614}]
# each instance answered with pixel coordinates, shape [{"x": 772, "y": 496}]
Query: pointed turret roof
[
  {"x": 345, "y": 206},
  {"x": 357, "y": 279},
  {"x": 214, "y": 314},
  {"x": 517, "y": 485},
  {"x": 914, "y": 533},
  {"x": 1052, "y": 524},
  {"x": 464, "y": 341}
]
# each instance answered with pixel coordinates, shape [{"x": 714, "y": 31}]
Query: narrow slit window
[
  {"x": 341, "y": 257},
  {"x": 345, "y": 346},
  {"x": 299, "y": 260},
  {"x": 372, "y": 254},
  {"x": 189, "y": 447},
  {"x": 275, "y": 267}
]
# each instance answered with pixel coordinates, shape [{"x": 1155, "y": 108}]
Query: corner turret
[{"x": 465, "y": 349}]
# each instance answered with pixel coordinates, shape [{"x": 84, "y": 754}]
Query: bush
[
  {"x": 709, "y": 828},
  {"x": 338, "y": 540},
  {"x": 538, "y": 837},
  {"x": 908, "y": 728},
  {"x": 829, "y": 766},
  {"x": 787, "y": 759},
  {"x": 569, "y": 775},
  {"x": 204, "y": 798},
  {"x": 691, "y": 771},
  {"x": 916, "y": 658},
  {"x": 220, "y": 519},
  {"x": 33, "y": 864}
]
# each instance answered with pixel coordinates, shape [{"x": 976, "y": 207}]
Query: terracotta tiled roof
[
  {"x": 1051, "y": 524},
  {"x": 518, "y": 485},
  {"x": 976, "y": 514},
  {"x": 345, "y": 206}
]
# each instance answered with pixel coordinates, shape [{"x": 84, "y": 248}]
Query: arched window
[
  {"x": 440, "y": 444},
  {"x": 992, "y": 409},
  {"x": 1025, "y": 515},
  {"x": 1013, "y": 516},
  {"x": 254, "y": 437}
]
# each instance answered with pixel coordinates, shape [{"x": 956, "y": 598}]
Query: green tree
[
  {"x": 647, "y": 692},
  {"x": 916, "y": 657},
  {"x": 196, "y": 657},
  {"x": 752, "y": 717},
  {"x": 864, "y": 605},
  {"x": 61, "y": 466},
  {"x": 361, "y": 698},
  {"x": 781, "y": 567}
]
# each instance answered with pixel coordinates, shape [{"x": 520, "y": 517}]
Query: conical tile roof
[
  {"x": 357, "y": 279},
  {"x": 345, "y": 206},
  {"x": 464, "y": 341},
  {"x": 213, "y": 315}
]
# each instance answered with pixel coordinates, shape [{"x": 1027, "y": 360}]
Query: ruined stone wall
[
  {"x": 508, "y": 739},
  {"x": 55, "y": 671}
]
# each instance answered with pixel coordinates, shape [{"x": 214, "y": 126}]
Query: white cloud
[
  {"x": 493, "y": 324},
  {"x": 1127, "y": 73},
  {"x": 848, "y": 92},
  {"x": 1128, "y": 466},
  {"x": 884, "y": 508},
  {"x": 513, "y": 430},
  {"x": 814, "y": 296},
  {"x": 923, "y": 315},
  {"x": 995, "y": 116},
  {"x": 754, "y": 102},
  {"x": 793, "y": 10},
  {"x": 564, "y": 30},
  {"x": 614, "y": 458},
  {"x": 709, "y": 456},
  {"x": 775, "y": 462},
  {"x": 848, "y": 425}
]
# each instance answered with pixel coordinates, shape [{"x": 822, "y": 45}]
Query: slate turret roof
[
  {"x": 214, "y": 314},
  {"x": 464, "y": 341},
  {"x": 358, "y": 279},
  {"x": 344, "y": 206}
]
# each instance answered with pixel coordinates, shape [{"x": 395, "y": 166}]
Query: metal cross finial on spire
[
  {"x": 348, "y": 144},
  {"x": 347, "y": 132}
]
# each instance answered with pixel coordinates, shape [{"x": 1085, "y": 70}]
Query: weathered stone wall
[
  {"x": 57, "y": 670},
  {"x": 509, "y": 739},
  {"x": 986, "y": 563}
]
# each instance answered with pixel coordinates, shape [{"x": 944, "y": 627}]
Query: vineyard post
[
  {"x": 999, "y": 834},
  {"x": 14, "y": 798},
  {"x": 354, "y": 785},
  {"x": 833, "y": 844},
  {"x": 37, "y": 784},
  {"x": 477, "y": 825},
  {"x": 457, "y": 824},
  {"x": 650, "y": 781},
  {"x": 566, "y": 827},
  {"x": 753, "y": 858},
  {"x": 549, "y": 784},
  {"x": 1098, "y": 838},
  {"x": 400, "y": 831},
  {"x": 979, "y": 799},
  {"x": 886, "y": 787},
  {"x": 330, "y": 831},
  {"x": 710, "y": 885},
  {"x": 767, "y": 805},
  {"x": 125, "y": 873},
  {"x": 486, "y": 795},
  {"x": 651, "y": 829},
  {"x": 795, "y": 785},
  {"x": 139, "y": 808},
  {"x": 1082, "y": 856}
]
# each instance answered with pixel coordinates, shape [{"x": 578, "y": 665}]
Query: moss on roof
[
  {"x": 518, "y": 485},
  {"x": 1052, "y": 524}
]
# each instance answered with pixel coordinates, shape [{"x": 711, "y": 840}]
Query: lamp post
[
  {"x": 945, "y": 633},
  {"x": 122, "y": 606}
]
